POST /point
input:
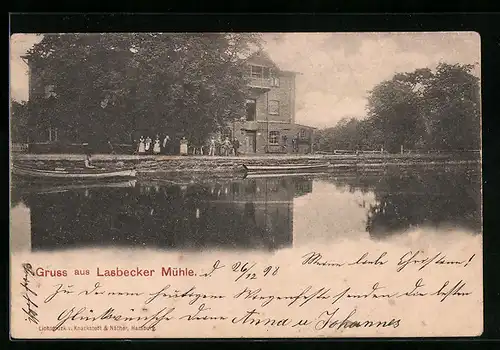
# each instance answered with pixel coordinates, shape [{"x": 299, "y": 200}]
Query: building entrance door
[{"x": 250, "y": 142}]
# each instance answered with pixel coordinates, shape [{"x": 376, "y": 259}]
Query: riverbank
[{"x": 157, "y": 165}]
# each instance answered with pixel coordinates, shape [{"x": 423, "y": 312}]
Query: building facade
[{"x": 269, "y": 124}]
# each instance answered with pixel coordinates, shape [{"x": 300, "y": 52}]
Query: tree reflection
[
  {"x": 15, "y": 197},
  {"x": 450, "y": 197},
  {"x": 245, "y": 214}
]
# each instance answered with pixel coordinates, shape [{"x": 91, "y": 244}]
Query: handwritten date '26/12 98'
[{"x": 244, "y": 270}]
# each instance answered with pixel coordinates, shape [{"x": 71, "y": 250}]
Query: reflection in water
[
  {"x": 251, "y": 213},
  {"x": 245, "y": 214},
  {"x": 20, "y": 226},
  {"x": 450, "y": 197}
]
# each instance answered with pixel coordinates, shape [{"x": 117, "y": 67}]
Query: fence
[
  {"x": 346, "y": 151},
  {"x": 406, "y": 151},
  {"x": 77, "y": 148}
]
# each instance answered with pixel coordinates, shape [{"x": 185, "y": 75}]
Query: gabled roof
[
  {"x": 261, "y": 58},
  {"x": 306, "y": 126},
  {"x": 289, "y": 72}
]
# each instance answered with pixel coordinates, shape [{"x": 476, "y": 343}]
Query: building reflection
[{"x": 244, "y": 214}]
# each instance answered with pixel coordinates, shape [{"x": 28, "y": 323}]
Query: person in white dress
[
  {"x": 227, "y": 146},
  {"x": 183, "y": 146},
  {"x": 156, "y": 146},
  {"x": 147, "y": 145},
  {"x": 142, "y": 148},
  {"x": 211, "y": 151},
  {"x": 166, "y": 144}
]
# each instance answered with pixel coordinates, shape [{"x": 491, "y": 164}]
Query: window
[
  {"x": 52, "y": 134},
  {"x": 274, "y": 107},
  {"x": 256, "y": 72},
  {"x": 251, "y": 110},
  {"x": 266, "y": 72},
  {"x": 274, "y": 137},
  {"x": 302, "y": 134},
  {"x": 276, "y": 81},
  {"x": 259, "y": 72}
]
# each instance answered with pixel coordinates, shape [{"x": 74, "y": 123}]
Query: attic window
[{"x": 260, "y": 72}]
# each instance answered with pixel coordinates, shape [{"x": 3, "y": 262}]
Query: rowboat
[
  {"x": 73, "y": 174},
  {"x": 285, "y": 167},
  {"x": 258, "y": 175},
  {"x": 58, "y": 187}
]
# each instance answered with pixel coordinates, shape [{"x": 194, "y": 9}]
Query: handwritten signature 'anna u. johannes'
[{"x": 30, "y": 309}]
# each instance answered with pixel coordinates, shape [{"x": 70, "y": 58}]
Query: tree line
[
  {"x": 421, "y": 110},
  {"x": 107, "y": 86}
]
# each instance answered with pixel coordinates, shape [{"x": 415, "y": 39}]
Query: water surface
[{"x": 245, "y": 214}]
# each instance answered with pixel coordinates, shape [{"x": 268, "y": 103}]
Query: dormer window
[{"x": 260, "y": 72}]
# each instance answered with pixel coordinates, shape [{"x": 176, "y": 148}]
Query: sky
[{"x": 337, "y": 69}]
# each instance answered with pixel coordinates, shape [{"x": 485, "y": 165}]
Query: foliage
[
  {"x": 150, "y": 82},
  {"x": 18, "y": 121},
  {"x": 419, "y": 110},
  {"x": 345, "y": 135}
]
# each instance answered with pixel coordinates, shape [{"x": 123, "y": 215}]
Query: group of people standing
[
  {"x": 223, "y": 148},
  {"x": 216, "y": 146},
  {"x": 164, "y": 145},
  {"x": 156, "y": 146}
]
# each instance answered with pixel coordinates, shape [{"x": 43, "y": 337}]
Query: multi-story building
[{"x": 269, "y": 124}]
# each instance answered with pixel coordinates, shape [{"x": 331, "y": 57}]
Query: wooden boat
[
  {"x": 57, "y": 188},
  {"x": 73, "y": 174},
  {"x": 281, "y": 174},
  {"x": 285, "y": 167}
]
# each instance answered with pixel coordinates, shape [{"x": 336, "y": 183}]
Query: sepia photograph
[{"x": 245, "y": 185}]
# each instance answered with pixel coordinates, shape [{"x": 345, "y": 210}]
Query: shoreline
[
  {"x": 151, "y": 165},
  {"x": 267, "y": 156}
]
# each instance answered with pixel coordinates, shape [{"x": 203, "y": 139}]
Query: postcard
[{"x": 245, "y": 185}]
